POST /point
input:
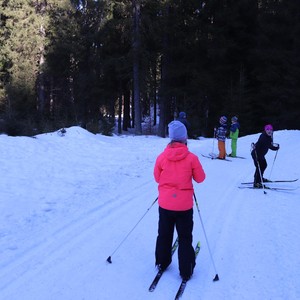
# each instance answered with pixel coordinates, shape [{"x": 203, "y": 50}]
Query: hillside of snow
[{"x": 69, "y": 202}]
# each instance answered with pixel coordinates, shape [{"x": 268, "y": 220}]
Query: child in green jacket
[{"x": 234, "y": 134}]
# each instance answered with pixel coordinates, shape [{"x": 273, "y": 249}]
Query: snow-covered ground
[{"x": 67, "y": 202}]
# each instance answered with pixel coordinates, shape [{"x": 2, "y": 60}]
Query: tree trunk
[
  {"x": 164, "y": 98},
  {"x": 136, "y": 54},
  {"x": 41, "y": 7},
  {"x": 126, "y": 111}
]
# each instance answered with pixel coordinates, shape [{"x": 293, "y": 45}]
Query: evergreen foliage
[{"x": 79, "y": 62}]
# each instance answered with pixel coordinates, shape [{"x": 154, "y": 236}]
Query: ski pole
[
  {"x": 109, "y": 258},
  {"x": 211, "y": 257},
  {"x": 213, "y": 146},
  {"x": 213, "y": 143},
  {"x": 274, "y": 157},
  {"x": 273, "y": 164}
]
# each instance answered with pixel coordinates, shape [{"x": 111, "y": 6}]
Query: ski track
[
  {"x": 51, "y": 245},
  {"x": 31, "y": 257}
]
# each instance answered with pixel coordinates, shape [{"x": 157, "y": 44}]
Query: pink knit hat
[{"x": 268, "y": 127}]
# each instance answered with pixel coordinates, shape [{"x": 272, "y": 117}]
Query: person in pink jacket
[{"x": 174, "y": 170}]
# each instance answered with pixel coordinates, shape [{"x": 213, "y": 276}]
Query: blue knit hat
[
  {"x": 182, "y": 115},
  {"x": 177, "y": 131}
]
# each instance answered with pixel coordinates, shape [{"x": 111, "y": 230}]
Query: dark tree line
[{"x": 86, "y": 62}]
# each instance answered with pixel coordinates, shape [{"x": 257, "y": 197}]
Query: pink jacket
[{"x": 174, "y": 170}]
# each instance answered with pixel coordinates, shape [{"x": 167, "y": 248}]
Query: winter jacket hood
[{"x": 176, "y": 151}]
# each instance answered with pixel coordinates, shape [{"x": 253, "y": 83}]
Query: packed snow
[{"x": 70, "y": 201}]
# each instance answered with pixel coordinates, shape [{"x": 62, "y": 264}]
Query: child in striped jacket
[{"x": 220, "y": 133}]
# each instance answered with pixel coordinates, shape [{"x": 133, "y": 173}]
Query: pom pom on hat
[{"x": 177, "y": 131}]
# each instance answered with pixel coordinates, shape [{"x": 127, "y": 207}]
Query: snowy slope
[{"x": 68, "y": 202}]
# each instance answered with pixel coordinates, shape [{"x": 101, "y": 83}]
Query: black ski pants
[
  {"x": 183, "y": 222},
  {"x": 259, "y": 164}
]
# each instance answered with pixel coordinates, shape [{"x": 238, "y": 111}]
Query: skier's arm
[{"x": 274, "y": 147}]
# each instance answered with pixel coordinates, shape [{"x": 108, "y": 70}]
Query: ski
[
  {"x": 274, "y": 181},
  {"x": 184, "y": 282},
  {"x": 212, "y": 157},
  {"x": 242, "y": 157},
  {"x": 160, "y": 272},
  {"x": 181, "y": 289},
  {"x": 267, "y": 188}
]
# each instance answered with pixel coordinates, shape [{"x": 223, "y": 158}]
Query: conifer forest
[{"x": 105, "y": 64}]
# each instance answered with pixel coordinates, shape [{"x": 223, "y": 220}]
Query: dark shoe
[
  {"x": 187, "y": 273},
  {"x": 258, "y": 185},
  {"x": 161, "y": 267},
  {"x": 266, "y": 180},
  {"x": 186, "y": 277}
]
